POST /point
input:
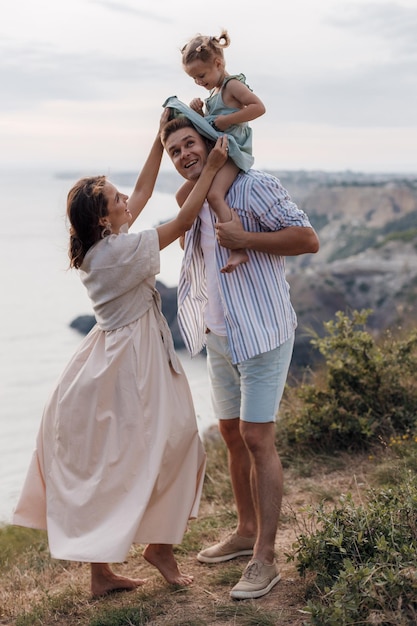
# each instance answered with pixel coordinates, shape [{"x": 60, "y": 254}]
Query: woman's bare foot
[
  {"x": 104, "y": 581},
  {"x": 162, "y": 557},
  {"x": 236, "y": 258}
]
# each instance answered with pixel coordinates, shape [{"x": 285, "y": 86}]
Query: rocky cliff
[
  {"x": 367, "y": 226},
  {"x": 368, "y": 255}
]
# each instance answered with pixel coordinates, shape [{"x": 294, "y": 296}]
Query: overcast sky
[{"x": 83, "y": 81}]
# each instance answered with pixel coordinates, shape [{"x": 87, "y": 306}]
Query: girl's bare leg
[
  {"x": 236, "y": 257},
  {"x": 104, "y": 580},
  {"x": 161, "y": 556},
  {"x": 216, "y": 198}
]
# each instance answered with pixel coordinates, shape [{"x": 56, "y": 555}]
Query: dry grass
[{"x": 36, "y": 591}]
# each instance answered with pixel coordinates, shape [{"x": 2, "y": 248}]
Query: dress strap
[{"x": 166, "y": 333}]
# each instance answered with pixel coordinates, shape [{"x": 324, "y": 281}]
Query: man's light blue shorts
[{"x": 252, "y": 389}]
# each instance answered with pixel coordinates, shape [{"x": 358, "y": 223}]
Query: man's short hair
[
  {"x": 179, "y": 122},
  {"x": 176, "y": 123}
]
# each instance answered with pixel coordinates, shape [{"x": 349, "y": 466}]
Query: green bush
[
  {"x": 364, "y": 394},
  {"x": 363, "y": 559}
]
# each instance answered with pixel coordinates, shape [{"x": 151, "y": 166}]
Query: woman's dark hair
[{"x": 86, "y": 205}]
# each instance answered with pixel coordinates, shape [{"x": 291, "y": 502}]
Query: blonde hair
[{"x": 205, "y": 48}]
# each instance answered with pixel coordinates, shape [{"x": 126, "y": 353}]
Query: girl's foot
[
  {"x": 104, "y": 581},
  {"x": 161, "y": 556},
  {"x": 236, "y": 258}
]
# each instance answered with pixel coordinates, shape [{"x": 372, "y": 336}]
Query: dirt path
[{"x": 206, "y": 602}]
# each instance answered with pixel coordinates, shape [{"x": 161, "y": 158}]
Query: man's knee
[
  {"x": 230, "y": 431},
  {"x": 258, "y": 437}
]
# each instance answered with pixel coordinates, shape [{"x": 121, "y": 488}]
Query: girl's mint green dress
[
  {"x": 240, "y": 135},
  {"x": 215, "y": 106}
]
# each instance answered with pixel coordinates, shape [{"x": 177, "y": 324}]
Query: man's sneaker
[
  {"x": 232, "y": 547},
  {"x": 257, "y": 580}
]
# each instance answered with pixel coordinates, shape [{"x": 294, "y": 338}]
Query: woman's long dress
[{"x": 118, "y": 457}]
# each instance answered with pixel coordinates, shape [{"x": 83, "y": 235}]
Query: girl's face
[
  {"x": 118, "y": 213},
  {"x": 209, "y": 74}
]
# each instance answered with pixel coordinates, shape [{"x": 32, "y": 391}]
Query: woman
[{"x": 118, "y": 456}]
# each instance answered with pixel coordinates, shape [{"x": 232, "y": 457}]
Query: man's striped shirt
[{"x": 255, "y": 296}]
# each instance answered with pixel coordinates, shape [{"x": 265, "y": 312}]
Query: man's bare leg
[
  {"x": 104, "y": 580},
  {"x": 240, "y": 475},
  {"x": 161, "y": 556},
  {"x": 267, "y": 485}
]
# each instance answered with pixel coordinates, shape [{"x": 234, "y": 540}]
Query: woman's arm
[
  {"x": 146, "y": 180},
  {"x": 173, "y": 229},
  {"x": 183, "y": 192}
]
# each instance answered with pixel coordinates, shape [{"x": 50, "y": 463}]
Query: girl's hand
[
  {"x": 222, "y": 123},
  {"x": 197, "y": 105}
]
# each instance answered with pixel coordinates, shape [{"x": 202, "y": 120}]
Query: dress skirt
[{"x": 118, "y": 457}]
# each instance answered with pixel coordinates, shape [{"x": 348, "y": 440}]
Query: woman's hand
[
  {"x": 164, "y": 119},
  {"x": 191, "y": 207},
  {"x": 218, "y": 155}
]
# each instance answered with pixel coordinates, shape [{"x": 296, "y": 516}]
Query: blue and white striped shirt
[{"x": 256, "y": 300}]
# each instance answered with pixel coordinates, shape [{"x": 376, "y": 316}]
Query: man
[{"x": 246, "y": 320}]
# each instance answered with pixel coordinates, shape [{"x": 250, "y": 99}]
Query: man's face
[{"x": 187, "y": 151}]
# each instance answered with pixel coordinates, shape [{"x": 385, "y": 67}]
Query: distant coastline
[{"x": 301, "y": 181}]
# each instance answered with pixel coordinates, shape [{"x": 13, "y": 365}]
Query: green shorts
[{"x": 252, "y": 389}]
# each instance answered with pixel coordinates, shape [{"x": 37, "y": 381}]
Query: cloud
[
  {"x": 37, "y": 74},
  {"x": 369, "y": 81},
  {"x": 121, "y": 7},
  {"x": 393, "y": 24},
  {"x": 371, "y": 96}
]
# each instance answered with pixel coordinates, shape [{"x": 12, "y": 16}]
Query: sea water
[{"x": 40, "y": 298}]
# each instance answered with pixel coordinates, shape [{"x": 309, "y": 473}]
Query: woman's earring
[{"x": 106, "y": 230}]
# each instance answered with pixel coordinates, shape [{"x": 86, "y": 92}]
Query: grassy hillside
[{"x": 346, "y": 540}]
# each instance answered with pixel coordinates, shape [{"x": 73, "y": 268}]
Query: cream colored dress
[{"x": 118, "y": 457}]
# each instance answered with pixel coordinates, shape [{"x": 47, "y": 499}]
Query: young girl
[
  {"x": 229, "y": 107},
  {"x": 118, "y": 457}
]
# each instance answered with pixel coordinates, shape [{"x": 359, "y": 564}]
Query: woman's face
[{"x": 118, "y": 213}]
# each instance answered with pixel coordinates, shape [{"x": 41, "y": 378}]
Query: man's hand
[
  {"x": 231, "y": 234},
  {"x": 289, "y": 241}
]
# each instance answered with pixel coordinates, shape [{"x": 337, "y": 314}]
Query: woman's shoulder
[
  {"x": 121, "y": 249},
  {"x": 127, "y": 243}
]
